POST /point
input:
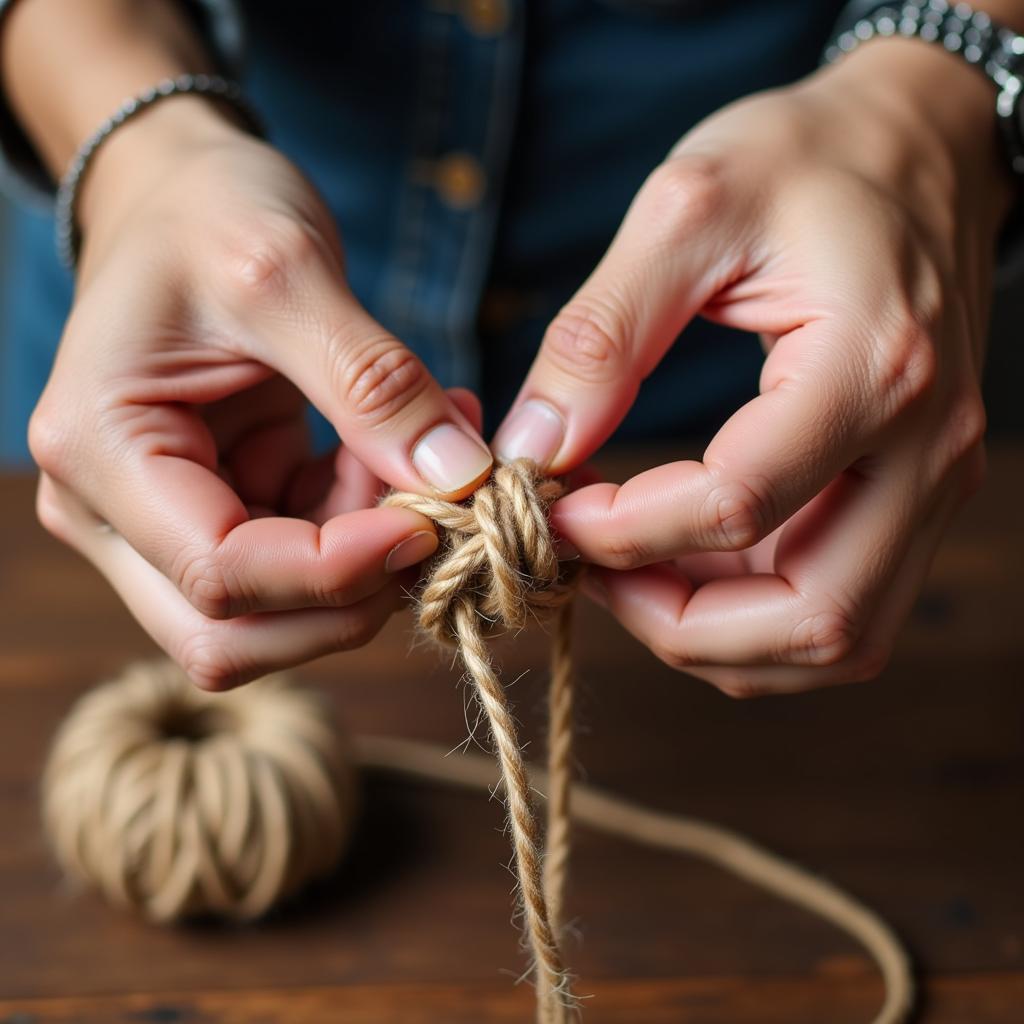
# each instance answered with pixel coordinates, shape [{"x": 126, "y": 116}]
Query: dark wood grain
[{"x": 909, "y": 791}]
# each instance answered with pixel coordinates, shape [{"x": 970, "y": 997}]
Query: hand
[
  {"x": 851, "y": 221},
  {"x": 211, "y": 300}
]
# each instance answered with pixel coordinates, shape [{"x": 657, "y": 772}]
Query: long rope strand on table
[{"x": 616, "y": 816}]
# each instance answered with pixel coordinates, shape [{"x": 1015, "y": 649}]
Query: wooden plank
[{"x": 839, "y": 999}]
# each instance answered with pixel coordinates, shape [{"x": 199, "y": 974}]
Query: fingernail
[
  {"x": 411, "y": 551},
  {"x": 449, "y": 459},
  {"x": 535, "y": 431}
]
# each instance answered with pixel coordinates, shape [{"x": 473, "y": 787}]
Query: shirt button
[
  {"x": 485, "y": 17},
  {"x": 460, "y": 180}
]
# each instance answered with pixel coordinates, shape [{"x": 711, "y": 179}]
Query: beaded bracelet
[{"x": 68, "y": 234}]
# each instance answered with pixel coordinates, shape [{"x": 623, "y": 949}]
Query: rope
[
  {"x": 676, "y": 833},
  {"x": 496, "y": 566}
]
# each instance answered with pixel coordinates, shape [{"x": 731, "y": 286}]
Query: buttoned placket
[{"x": 467, "y": 85}]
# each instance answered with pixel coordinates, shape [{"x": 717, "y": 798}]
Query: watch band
[{"x": 972, "y": 35}]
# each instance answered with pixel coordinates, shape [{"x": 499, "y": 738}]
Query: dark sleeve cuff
[{"x": 23, "y": 177}]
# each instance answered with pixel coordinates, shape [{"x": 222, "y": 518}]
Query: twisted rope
[{"x": 495, "y": 568}]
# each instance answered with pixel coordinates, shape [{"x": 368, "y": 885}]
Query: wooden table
[{"x": 908, "y": 791}]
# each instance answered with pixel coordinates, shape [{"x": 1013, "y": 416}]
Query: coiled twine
[{"x": 174, "y": 802}]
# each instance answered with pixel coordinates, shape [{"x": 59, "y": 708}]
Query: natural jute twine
[
  {"x": 175, "y": 802},
  {"x": 148, "y": 807},
  {"x": 496, "y": 568}
]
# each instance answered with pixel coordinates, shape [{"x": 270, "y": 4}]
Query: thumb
[
  {"x": 673, "y": 251},
  {"x": 300, "y": 318}
]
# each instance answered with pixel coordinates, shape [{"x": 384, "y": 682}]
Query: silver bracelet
[{"x": 68, "y": 234}]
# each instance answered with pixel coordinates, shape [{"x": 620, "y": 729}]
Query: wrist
[
  {"x": 153, "y": 147},
  {"x": 67, "y": 65},
  {"x": 936, "y": 103}
]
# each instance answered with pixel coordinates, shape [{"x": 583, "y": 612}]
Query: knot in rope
[{"x": 497, "y": 560}]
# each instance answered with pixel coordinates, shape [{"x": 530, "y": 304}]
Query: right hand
[{"x": 210, "y": 303}]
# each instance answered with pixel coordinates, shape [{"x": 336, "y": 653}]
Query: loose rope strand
[
  {"x": 677, "y": 833},
  {"x": 560, "y": 754},
  {"x": 553, "y": 988}
]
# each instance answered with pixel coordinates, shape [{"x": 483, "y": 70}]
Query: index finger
[
  {"x": 819, "y": 412},
  {"x": 295, "y": 313}
]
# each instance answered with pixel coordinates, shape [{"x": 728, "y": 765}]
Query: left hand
[{"x": 851, "y": 220}]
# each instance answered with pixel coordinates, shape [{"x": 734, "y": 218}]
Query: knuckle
[
  {"x": 261, "y": 260},
  {"x": 378, "y": 378},
  {"x": 905, "y": 367},
  {"x": 734, "y": 516},
  {"x": 824, "y": 638},
  {"x": 338, "y": 588},
  {"x": 589, "y": 342},
  {"x": 211, "y": 664},
  {"x": 686, "y": 192},
  {"x": 207, "y": 585},
  {"x": 50, "y": 441}
]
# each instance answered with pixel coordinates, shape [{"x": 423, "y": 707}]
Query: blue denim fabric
[{"x": 567, "y": 108}]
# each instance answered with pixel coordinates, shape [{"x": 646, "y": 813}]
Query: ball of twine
[{"x": 174, "y": 802}]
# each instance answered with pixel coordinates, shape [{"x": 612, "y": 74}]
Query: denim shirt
[{"x": 478, "y": 156}]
